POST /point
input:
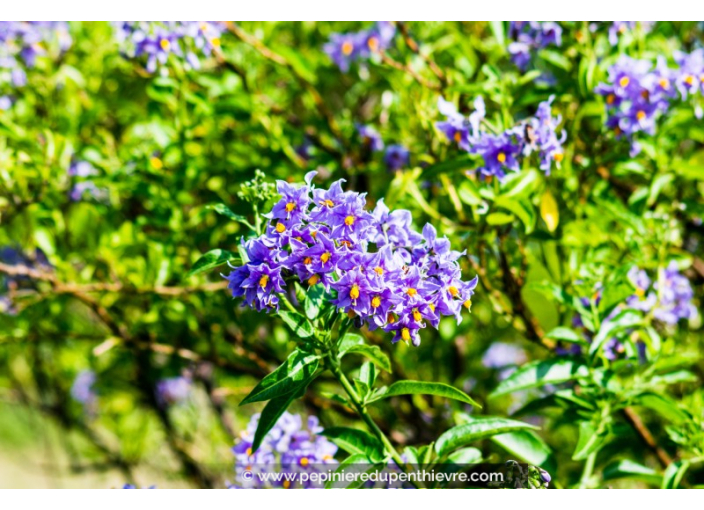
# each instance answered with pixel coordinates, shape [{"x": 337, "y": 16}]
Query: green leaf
[
  {"x": 565, "y": 335},
  {"x": 371, "y": 352},
  {"x": 227, "y": 212},
  {"x": 469, "y": 455},
  {"x": 271, "y": 414},
  {"x": 625, "y": 320},
  {"x": 540, "y": 373},
  {"x": 454, "y": 165},
  {"x": 556, "y": 58},
  {"x": 674, "y": 474},
  {"x": 423, "y": 388},
  {"x": 527, "y": 446},
  {"x": 663, "y": 405},
  {"x": 629, "y": 469},
  {"x": 617, "y": 289},
  {"x": 298, "y": 324},
  {"x": 212, "y": 259},
  {"x": 353, "y": 460},
  {"x": 522, "y": 208},
  {"x": 588, "y": 441},
  {"x": 297, "y": 371},
  {"x": 497, "y": 28},
  {"x": 315, "y": 297},
  {"x": 348, "y": 341},
  {"x": 499, "y": 218},
  {"x": 355, "y": 441},
  {"x": 480, "y": 428},
  {"x": 368, "y": 373}
]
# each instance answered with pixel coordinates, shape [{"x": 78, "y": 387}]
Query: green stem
[
  {"x": 363, "y": 413},
  {"x": 588, "y": 470}
]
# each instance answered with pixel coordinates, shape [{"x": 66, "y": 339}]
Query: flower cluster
[
  {"x": 21, "y": 42},
  {"x": 503, "y": 152},
  {"x": 638, "y": 92},
  {"x": 669, "y": 299},
  {"x": 173, "y": 390},
  {"x": 343, "y": 49},
  {"x": 288, "y": 448},
  {"x": 619, "y": 28},
  {"x": 376, "y": 268},
  {"x": 530, "y": 36},
  {"x": 156, "y": 41}
]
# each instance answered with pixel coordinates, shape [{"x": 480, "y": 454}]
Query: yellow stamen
[
  {"x": 640, "y": 292},
  {"x": 215, "y": 42},
  {"x": 453, "y": 291},
  {"x": 416, "y": 315},
  {"x": 501, "y": 157},
  {"x": 689, "y": 79},
  {"x": 287, "y": 484},
  {"x": 313, "y": 280},
  {"x": 314, "y": 234},
  {"x": 307, "y": 260},
  {"x": 664, "y": 83},
  {"x": 411, "y": 291},
  {"x": 165, "y": 44},
  {"x": 376, "y": 302},
  {"x": 390, "y": 318},
  {"x": 349, "y": 221},
  {"x": 640, "y": 115},
  {"x": 354, "y": 291},
  {"x": 432, "y": 307},
  {"x": 467, "y": 304},
  {"x": 347, "y": 48},
  {"x": 290, "y": 206},
  {"x": 329, "y": 203},
  {"x": 458, "y": 136},
  {"x": 558, "y": 156},
  {"x": 406, "y": 334},
  {"x": 610, "y": 99},
  {"x": 617, "y": 130},
  {"x": 373, "y": 43},
  {"x": 299, "y": 238},
  {"x": 327, "y": 456},
  {"x": 325, "y": 257},
  {"x": 249, "y": 452},
  {"x": 304, "y": 461},
  {"x": 280, "y": 228},
  {"x": 378, "y": 270},
  {"x": 263, "y": 281},
  {"x": 624, "y": 81}
]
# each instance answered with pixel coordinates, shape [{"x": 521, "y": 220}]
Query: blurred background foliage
[{"x": 107, "y": 286}]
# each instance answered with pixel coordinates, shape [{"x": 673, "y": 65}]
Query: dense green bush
[{"x": 127, "y": 184}]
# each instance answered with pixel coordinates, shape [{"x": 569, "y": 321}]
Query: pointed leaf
[
  {"x": 355, "y": 441},
  {"x": 298, "y": 324},
  {"x": 481, "y": 428},
  {"x": 271, "y": 414},
  {"x": 296, "y": 371},
  {"x": 212, "y": 259},
  {"x": 373, "y": 353},
  {"x": 423, "y": 388},
  {"x": 540, "y": 373}
]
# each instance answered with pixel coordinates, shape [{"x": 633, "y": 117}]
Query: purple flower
[
  {"x": 370, "y": 138},
  {"x": 618, "y": 28},
  {"x": 288, "y": 447},
  {"x": 83, "y": 391},
  {"x": 531, "y": 36},
  {"x": 80, "y": 189},
  {"x": 344, "y": 49},
  {"x": 396, "y": 157},
  {"x": 501, "y": 355},
  {"x": 499, "y": 152},
  {"x": 540, "y": 134},
  {"x": 157, "y": 41},
  {"x": 81, "y": 169},
  {"x": 374, "y": 266},
  {"x": 457, "y": 127},
  {"x": 173, "y": 390}
]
